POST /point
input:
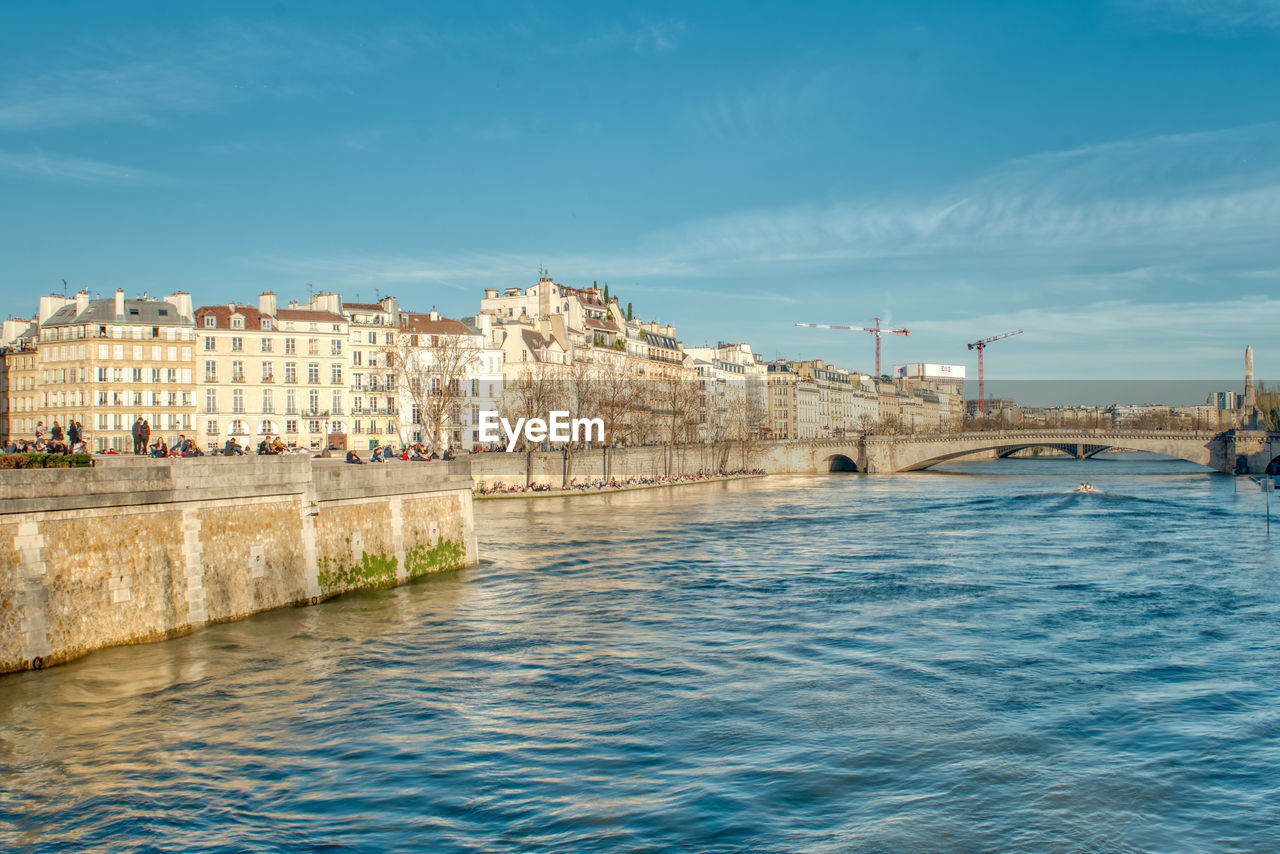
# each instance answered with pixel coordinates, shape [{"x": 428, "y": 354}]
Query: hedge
[{"x": 45, "y": 461}]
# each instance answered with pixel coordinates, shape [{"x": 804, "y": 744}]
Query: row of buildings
[{"x": 336, "y": 374}]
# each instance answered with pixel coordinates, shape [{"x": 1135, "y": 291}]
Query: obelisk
[{"x": 1250, "y": 412}]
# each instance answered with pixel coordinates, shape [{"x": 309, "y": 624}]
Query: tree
[
  {"x": 538, "y": 390},
  {"x": 430, "y": 370},
  {"x": 628, "y": 311}
]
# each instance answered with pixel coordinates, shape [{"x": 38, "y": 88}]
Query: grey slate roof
[{"x": 143, "y": 312}]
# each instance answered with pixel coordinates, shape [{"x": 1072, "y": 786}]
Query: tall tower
[{"x": 1249, "y": 415}]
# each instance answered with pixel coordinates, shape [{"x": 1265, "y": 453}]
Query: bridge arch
[{"x": 840, "y": 463}]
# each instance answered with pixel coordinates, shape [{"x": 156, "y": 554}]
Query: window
[
  {"x": 237, "y": 371},
  {"x": 291, "y": 426},
  {"x": 291, "y": 402},
  {"x": 266, "y": 324},
  {"x": 211, "y": 400},
  {"x": 266, "y": 343},
  {"x": 313, "y": 373},
  {"x": 336, "y": 374},
  {"x": 290, "y": 372},
  {"x": 211, "y": 371},
  {"x": 268, "y": 374},
  {"x": 357, "y": 358},
  {"x": 267, "y": 401},
  {"x": 210, "y": 343},
  {"x": 357, "y": 404},
  {"x": 373, "y": 404},
  {"x": 210, "y": 322},
  {"x": 335, "y": 347},
  {"x": 237, "y": 400},
  {"x": 211, "y": 427},
  {"x": 475, "y": 388},
  {"x": 357, "y": 381},
  {"x": 237, "y": 344},
  {"x": 137, "y": 375},
  {"x": 313, "y": 346},
  {"x": 337, "y": 403},
  {"x": 237, "y": 322},
  {"x": 290, "y": 346},
  {"x": 313, "y": 400}
]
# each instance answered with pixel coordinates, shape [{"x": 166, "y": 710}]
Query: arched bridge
[{"x": 1231, "y": 451}]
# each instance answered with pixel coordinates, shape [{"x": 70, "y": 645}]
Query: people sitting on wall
[
  {"x": 11, "y": 448},
  {"x": 159, "y": 448},
  {"x": 449, "y": 454},
  {"x": 278, "y": 447},
  {"x": 353, "y": 457},
  {"x": 232, "y": 448}
]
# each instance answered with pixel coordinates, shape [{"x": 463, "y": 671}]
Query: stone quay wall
[{"x": 137, "y": 549}]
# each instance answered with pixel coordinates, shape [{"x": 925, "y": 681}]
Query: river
[{"x": 968, "y": 659}]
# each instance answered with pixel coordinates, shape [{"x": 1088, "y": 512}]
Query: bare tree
[
  {"x": 430, "y": 370},
  {"x": 538, "y": 389}
]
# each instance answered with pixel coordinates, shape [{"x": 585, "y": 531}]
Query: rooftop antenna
[
  {"x": 64, "y": 288},
  {"x": 311, "y": 292}
]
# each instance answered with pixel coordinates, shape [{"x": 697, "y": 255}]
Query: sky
[{"x": 1104, "y": 176}]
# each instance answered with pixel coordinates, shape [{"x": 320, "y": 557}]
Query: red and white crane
[
  {"x": 980, "y": 346},
  {"x": 874, "y": 330}
]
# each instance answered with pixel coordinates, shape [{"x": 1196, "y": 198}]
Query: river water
[{"x": 972, "y": 659}]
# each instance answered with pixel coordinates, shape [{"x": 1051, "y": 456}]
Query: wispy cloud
[
  {"x": 644, "y": 39},
  {"x": 146, "y": 82},
  {"x": 76, "y": 170},
  {"x": 1213, "y": 15}
]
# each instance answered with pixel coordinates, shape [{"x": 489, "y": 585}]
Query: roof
[
  {"x": 601, "y": 324},
  {"x": 440, "y": 326},
  {"x": 362, "y": 306},
  {"x": 222, "y": 316},
  {"x": 310, "y": 315},
  {"x": 143, "y": 312}
]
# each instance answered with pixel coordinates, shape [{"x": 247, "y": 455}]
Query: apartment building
[
  {"x": 106, "y": 362},
  {"x": 270, "y": 371},
  {"x": 18, "y": 382},
  {"x": 374, "y": 387}
]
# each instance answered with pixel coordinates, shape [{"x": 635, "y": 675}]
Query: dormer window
[
  {"x": 237, "y": 322},
  {"x": 266, "y": 323},
  {"x": 133, "y": 312},
  {"x": 210, "y": 322}
]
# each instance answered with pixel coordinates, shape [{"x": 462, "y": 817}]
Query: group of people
[
  {"x": 613, "y": 483},
  {"x": 58, "y": 441},
  {"x": 413, "y": 453},
  {"x": 181, "y": 447}
]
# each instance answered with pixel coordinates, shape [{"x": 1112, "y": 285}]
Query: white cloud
[
  {"x": 72, "y": 169},
  {"x": 1213, "y": 15},
  {"x": 145, "y": 84}
]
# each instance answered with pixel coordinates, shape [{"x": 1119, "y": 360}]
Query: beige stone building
[
  {"x": 18, "y": 382},
  {"x": 106, "y": 362},
  {"x": 269, "y": 371}
]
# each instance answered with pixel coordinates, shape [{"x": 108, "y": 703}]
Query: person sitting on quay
[
  {"x": 232, "y": 448},
  {"x": 55, "y": 433},
  {"x": 353, "y": 457},
  {"x": 159, "y": 449}
]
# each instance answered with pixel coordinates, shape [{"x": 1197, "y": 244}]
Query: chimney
[
  {"x": 49, "y": 306},
  {"x": 267, "y": 303},
  {"x": 82, "y": 301},
  {"x": 434, "y": 315},
  {"x": 119, "y": 302},
  {"x": 490, "y": 293},
  {"x": 182, "y": 302},
  {"x": 544, "y": 296}
]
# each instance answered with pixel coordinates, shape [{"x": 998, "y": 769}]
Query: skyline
[{"x": 1104, "y": 176}]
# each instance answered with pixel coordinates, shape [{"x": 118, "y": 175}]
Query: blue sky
[{"x": 1105, "y": 176}]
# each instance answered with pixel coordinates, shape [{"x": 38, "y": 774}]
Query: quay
[{"x": 137, "y": 549}]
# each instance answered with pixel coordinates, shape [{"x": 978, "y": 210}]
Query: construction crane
[
  {"x": 874, "y": 330},
  {"x": 980, "y": 346}
]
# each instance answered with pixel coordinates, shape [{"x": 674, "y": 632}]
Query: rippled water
[{"x": 973, "y": 659}]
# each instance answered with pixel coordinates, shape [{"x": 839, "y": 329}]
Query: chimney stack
[
  {"x": 119, "y": 302},
  {"x": 267, "y": 303}
]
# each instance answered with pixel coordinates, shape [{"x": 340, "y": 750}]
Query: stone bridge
[{"x": 1239, "y": 451}]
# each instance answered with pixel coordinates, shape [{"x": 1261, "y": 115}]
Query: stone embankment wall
[{"x": 138, "y": 549}]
